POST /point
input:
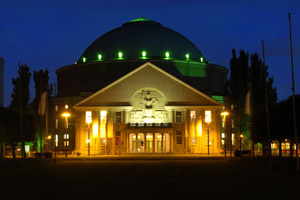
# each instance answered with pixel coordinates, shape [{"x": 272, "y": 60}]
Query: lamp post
[
  {"x": 225, "y": 139},
  {"x": 241, "y": 136},
  {"x": 88, "y": 120},
  {"x": 208, "y": 120},
  {"x": 66, "y": 115},
  {"x": 49, "y": 138}
]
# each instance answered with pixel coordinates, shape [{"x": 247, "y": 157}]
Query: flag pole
[
  {"x": 267, "y": 105},
  {"x": 293, "y": 89}
]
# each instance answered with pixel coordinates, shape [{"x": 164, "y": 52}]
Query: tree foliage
[
  {"x": 19, "y": 110},
  {"x": 21, "y": 85},
  {"x": 244, "y": 78},
  {"x": 41, "y": 84}
]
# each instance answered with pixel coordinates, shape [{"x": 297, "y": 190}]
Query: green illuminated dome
[{"x": 141, "y": 39}]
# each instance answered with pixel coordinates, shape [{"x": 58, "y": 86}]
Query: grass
[{"x": 180, "y": 178}]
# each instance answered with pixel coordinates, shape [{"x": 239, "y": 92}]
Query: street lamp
[
  {"x": 66, "y": 115},
  {"x": 208, "y": 120},
  {"x": 49, "y": 138},
  {"x": 241, "y": 136},
  {"x": 224, "y": 113},
  {"x": 88, "y": 120}
]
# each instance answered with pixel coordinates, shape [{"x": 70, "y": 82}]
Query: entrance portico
[{"x": 149, "y": 142}]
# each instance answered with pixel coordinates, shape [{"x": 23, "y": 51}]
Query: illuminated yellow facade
[
  {"x": 139, "y": 88},
  {"x": 148, "y": 111}
]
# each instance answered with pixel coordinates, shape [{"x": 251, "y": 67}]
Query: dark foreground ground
[{"x": 149, "y": 178}]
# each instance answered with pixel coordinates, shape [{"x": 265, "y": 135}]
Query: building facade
[{"x": 140, "y": 88}]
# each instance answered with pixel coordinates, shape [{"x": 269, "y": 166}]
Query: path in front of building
[{"x": 148, "y": 177}]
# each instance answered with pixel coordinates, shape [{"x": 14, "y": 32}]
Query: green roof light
[
  {"x": 144, "y": 53},
  {"x": 167, "y": 54},
  {"x": 201, "y": 59},
  {"x": 84, "y": 59},
  {"x": 99, "y": 56},
  {"x": 120, "y": 54},
  {"x": 187, "y": 56}
]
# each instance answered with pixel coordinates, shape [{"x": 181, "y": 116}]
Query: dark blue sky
[{"x": 55, "y": 33}]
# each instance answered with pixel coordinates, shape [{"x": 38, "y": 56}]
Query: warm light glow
[
  {"x": 241, "y": 136},
  {"x": 88, "y": 117},
  {"x": 224, "y": 113},
  {"x": 103, "y": 124},
  {"x": 99, "y": 56},
  {"x": 66, "y": 114},
  {"x": 49, "y": 137},
  {"x": 95, "y": 129},
  {"x": 207, "y": 116},
  {"x": 66, "y": 106},
  {"x": 193, "y": 114},
  {"x": 103, "y": 113},
  {"x": 87, "y": 141},
  {"x": 199, "y": 131},
  {"x": 144, "y": 53}
]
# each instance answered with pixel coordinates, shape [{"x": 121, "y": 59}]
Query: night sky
[{"x": 54, "y": 33}]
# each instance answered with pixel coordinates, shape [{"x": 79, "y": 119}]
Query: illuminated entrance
[{"x": 149, "y": 143}]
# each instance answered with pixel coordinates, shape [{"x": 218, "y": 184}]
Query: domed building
[{"x": 140, "y": 88}]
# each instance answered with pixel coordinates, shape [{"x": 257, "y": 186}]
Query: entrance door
[
  {"x": 162, "y": 142},
  {"x": 149, "y": 142},
  {"x": 135, "y": 142}
]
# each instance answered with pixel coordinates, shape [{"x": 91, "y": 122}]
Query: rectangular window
[
  {"x": 27, "y": 148},
  {"x": 66, "y": 136},
  {"x": 88, "y": 117},
  {"x": 102, "y": 141},
  {"x": 56, "y": 140},
  {"x": 66, "y": 143},
  {"x": 178, "y": 116},
  {"x": 207, "y": 116},
  {"x": 193, "y": 114},
  {"x": 56, "y": 123},
  {"x": 179, "y": 137},
  {"x": 118, "y": 138},
  {"x": 103, "y": 124},
  {"x": 118, "y": 117},
  {"x": 232, "y": 139},
  {"x": 223, "y": 138}
]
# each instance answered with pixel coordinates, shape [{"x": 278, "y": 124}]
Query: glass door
[{"x": 149, "y": 142}]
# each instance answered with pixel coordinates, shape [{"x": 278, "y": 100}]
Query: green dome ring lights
[{"x": 144, "y": 54}]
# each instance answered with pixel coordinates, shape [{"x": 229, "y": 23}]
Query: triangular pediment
[{"x": 122, "y": 91}]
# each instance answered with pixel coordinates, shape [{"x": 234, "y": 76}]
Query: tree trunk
[
  {"x": 1, "y": 151},
  {"x": 291, "y": 149},
  {"x": 23, "y": 150},
  {"x": 13, "y": 150},
  {"x": 280, "y": 150}
]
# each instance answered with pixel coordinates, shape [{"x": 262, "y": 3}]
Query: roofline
[{"x": 139, "y": 68}]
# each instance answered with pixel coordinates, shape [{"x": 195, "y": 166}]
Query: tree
[
  {"x": 259, "y": 74},
  {"x": 242, "y": 79},
  {"x": 238, "y": 88},
  {"x": 285, "y": 119},
  {"x": 20, "y": 100},
  {"x": 21, "y": 85},
  {"x": 9, "y": 132},
  {"x": 41, "y": 85}
]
